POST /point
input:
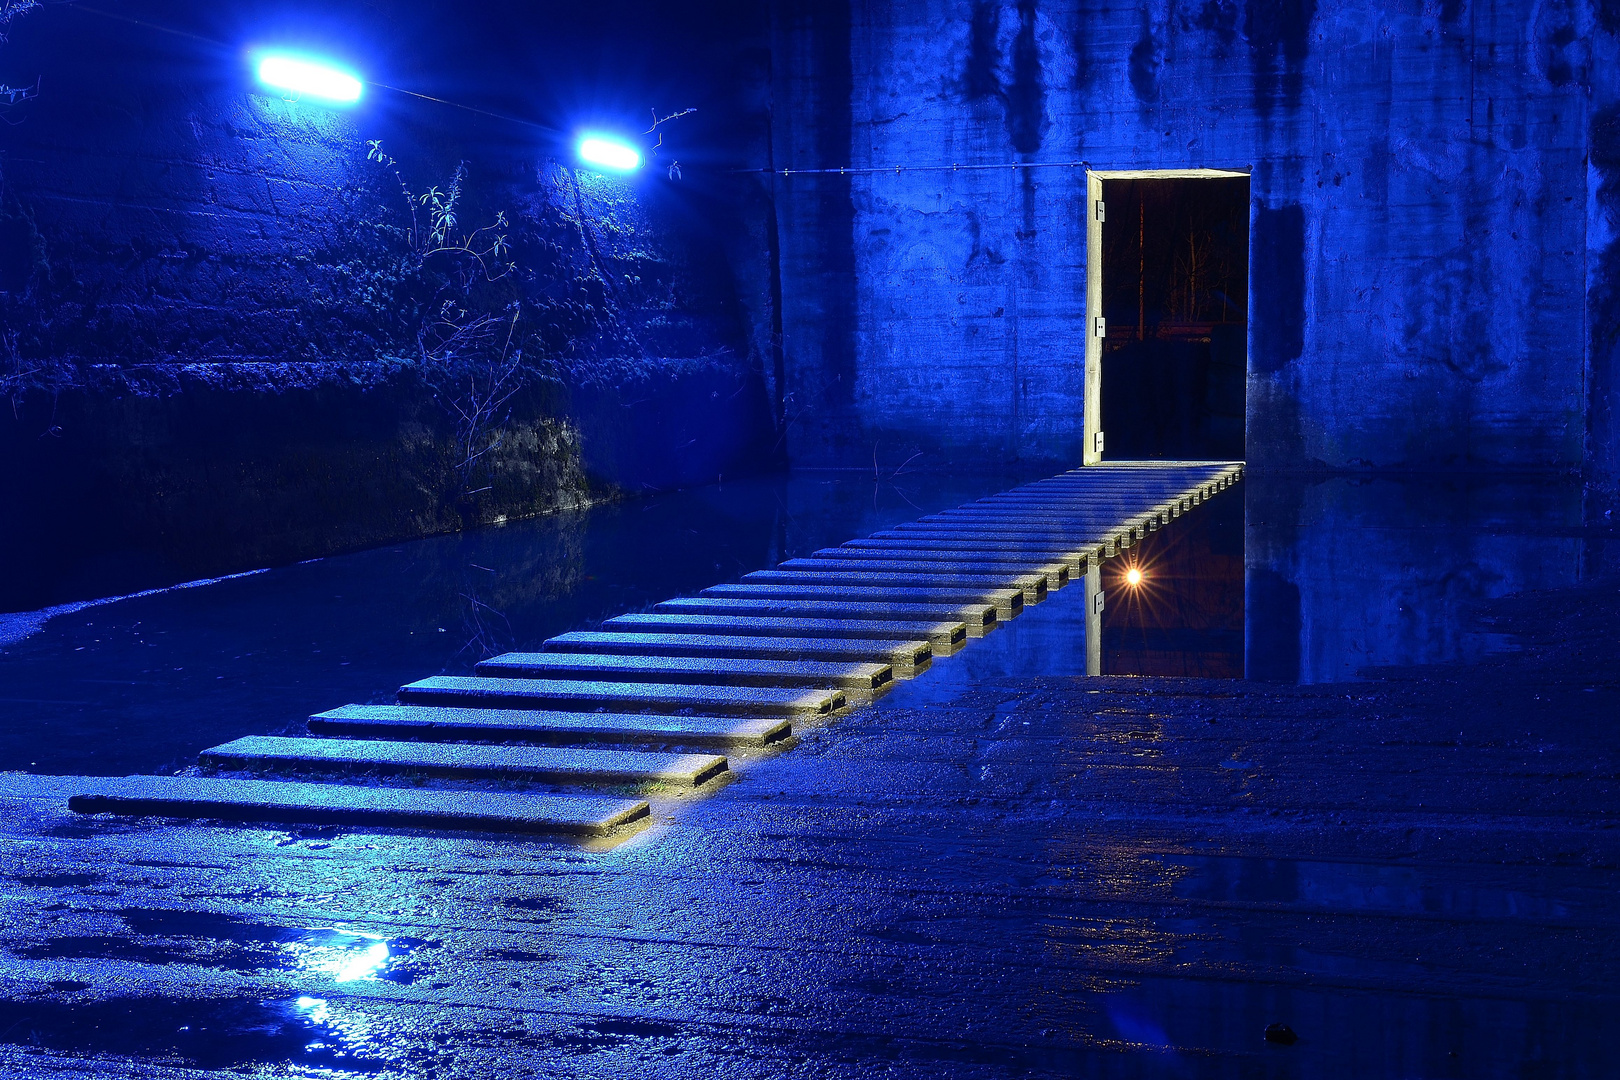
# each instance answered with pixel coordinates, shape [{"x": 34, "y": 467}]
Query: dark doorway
[{"x": 1175, "y": 273}]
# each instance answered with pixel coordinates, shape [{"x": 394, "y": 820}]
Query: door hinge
[
  {"x": 1097, "y": 442},
  {"x": 1097, "y": 602},
  {"x": 1101, "y": 210},
  {"x": 1100, "y": 327}
]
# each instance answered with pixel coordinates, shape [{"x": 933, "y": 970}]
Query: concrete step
[
  {"x": 1014, "y": 536},
  {"x": 1077, "y": 537},
  {"x": 549, "y": 763},
  {"x": 1120, "y": 467},
  {"x": 956, "y": 551},
  {"x": 1108, "y": 491},
  {"x": 1033, "y": 586},
  {"x": 1082, "y": 500},
  {"x": 563, "y": 694},
  {"x": 906, "y": 657},
  {"x": 1036, "y": 545},
  {"x": 1077, "y": 532},
  {"x": 1082, "y": 507},
  {"x": 1055, "y": 521},
  {"x": 1089, "y": 497},
  {"x": 350, "y": 804},
  {"x": 1094, "y": 540},
  {"x": 1056, "y": 573},
  {"x": 990, "y": 562},
  {"x": 1081, "y": 496},
  {"x": 689, "y": 670},
  {"x": 1098, "y": 516},
  {"x": 1076, "y": 553},
  {"x": 939, "y": 633},
  {"x": 1008, "y": 602},
  {"x": 542, "y": 726},
  {"x": 975, "y": 616},
  {"x": 1075, "y": 490},
  {"x": 1136, "y": 525},
  {"x": 1068, "y": 481},
  {"x": 1074, "y": 482}
]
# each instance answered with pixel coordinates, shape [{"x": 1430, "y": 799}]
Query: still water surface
[{"x": 1289, "y": 580}]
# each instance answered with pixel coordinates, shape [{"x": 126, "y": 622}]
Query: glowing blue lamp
[
  {"x": 308, "y": 78},
  {"x": 609, "y": 154}
]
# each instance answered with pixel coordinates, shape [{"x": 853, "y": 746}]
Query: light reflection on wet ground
[{"x": 998, "y": 872}]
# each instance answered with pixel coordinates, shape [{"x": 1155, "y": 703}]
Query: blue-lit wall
[
  {"x": 1433, "y": 284},
  {"x": 208, "y": 356}
]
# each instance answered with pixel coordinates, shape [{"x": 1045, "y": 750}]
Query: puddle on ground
[
  {"x": 1452, "y": 892},
  {"x": 206, "y": 939},
  {"x": 1278, "y": 579},
  {"x": 209, "y": 1033}
]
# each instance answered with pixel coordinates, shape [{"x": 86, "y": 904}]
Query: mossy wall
[{"x": 222, "y": 332}]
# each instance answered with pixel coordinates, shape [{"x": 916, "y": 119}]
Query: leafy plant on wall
[
  {"x": 13, "y": 96},
  {"x": 467, "y": 340},
  {"x": 488, "y": 303},
  {"x": 20, "y": 257},
  {"x": 11, "y": 9}
]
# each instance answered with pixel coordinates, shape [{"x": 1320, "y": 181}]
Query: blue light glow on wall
[
  {"x": 307, "y": 77},
  {"x": 609, "y": 153}
]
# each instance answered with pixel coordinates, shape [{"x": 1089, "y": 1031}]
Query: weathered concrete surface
[
  {"x": 991, "y": 560},
  {"x": 267, "y": 752},
  {"x": 941, "y": 635},
  {"x": 441, "y": 722},
  {"x": 940, "y": 540},
  {"x": 974, "y": 615},
  {"x": 1056, "y": 575},
  {"x": 1113, "y": 877},
  {"x": 1032, "y": 586},
  {"x": 584, "y": 695},
  {"x": 967, "y": 544},
  {"x": 330, "y": 804},
  {"x": 687, "y": 670},
  {"x": 1433, "y": 265},
  {"x": 1603, "y": 263},
  {"x": 1008, "y": 602},
  {"x": 904, "y": 656}
]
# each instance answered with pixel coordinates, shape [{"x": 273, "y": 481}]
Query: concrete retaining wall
[{"x": 1421, "y": 226}]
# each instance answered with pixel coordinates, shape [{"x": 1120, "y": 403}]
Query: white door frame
[{"x": 1094, "y": 181}]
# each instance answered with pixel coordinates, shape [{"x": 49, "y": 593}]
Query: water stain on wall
[
  {"x": 980, "y": 77},
  {"x": 1026, "y": 94},
  {"x": 1219, "y": 19},
  {"x": 1278, "y": 35},
  {"x": 1147, "y": 57},
  {"x": 1018, "y": 82},
  {"x": 1277, "y": 287},
  {"x": 1603, "y": 296}
]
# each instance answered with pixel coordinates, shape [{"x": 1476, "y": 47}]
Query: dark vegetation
[{"x": 236, "y": 330}]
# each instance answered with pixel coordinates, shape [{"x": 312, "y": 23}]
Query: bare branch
[{"x": 664, "y": 120}]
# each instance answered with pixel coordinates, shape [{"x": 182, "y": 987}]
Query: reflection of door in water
[
  {"x": 1183, "y": 613},
  {"x": 1175, "y": 271}
]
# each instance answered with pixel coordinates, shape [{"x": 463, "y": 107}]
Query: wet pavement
[{"x": 1002, "y": 868}]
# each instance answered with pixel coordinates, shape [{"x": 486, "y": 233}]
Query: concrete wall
[
  {"x": 1420, "y": 233},
  {"x": 209, "y": 321},
  {"x": 1603, "y": 265}
]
